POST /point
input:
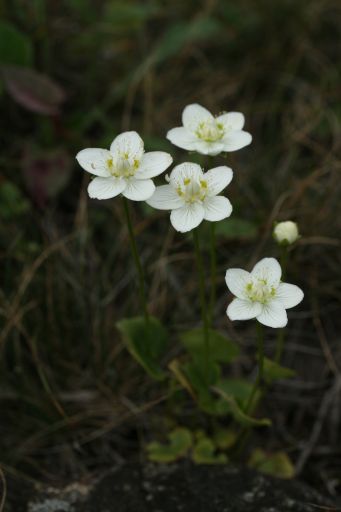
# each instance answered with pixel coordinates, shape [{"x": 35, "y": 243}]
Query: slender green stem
[
  {"x": 137, "y": 261},
  {"x": 260, "y": 355},
  {"x": 204, "y": 316},
  {"x": 213, "y": 257}
]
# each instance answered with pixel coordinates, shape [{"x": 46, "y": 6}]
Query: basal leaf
[
  {"x": 276, "y": 464},
  {"x": 221, "y": 349},
  {"x": 204, "y": 452},
  {"x": 180, "y": 441},
  {"x": 273, "y": 371}
]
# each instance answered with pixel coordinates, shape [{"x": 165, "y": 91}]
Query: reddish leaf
[{"x": 32, "y": 90}]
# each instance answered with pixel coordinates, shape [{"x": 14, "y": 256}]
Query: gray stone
[{"x": 182, "y": 488}]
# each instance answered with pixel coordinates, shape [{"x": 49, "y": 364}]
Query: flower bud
[{"x": 286, "y": 232}]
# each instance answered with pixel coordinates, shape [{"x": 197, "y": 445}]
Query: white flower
[
  {"x": 286, "y": 232},
  {"x": 209, "y": 135},
  {"x": 125, "y": 169},
  {"x": 192, "y": 196},
  {"x": 261, "y": 294}
]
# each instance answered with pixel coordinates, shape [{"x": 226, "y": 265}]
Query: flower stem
[
  {"x": 204, "y": 316},
  {"x": 259, "y": 379},
  {"x": 137, "y": 261},
  {"x": 213, "y": 258}
]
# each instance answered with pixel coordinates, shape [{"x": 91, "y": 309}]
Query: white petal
[
  {"x": 273, "y": 315},
  {"x": 233, "y": 141},
  {"x": 165, "y": 198},
  {"x": 184, "y": 171},
  {"x": 105, "y": 188},
  {"x": 243, "y": 309},
  {"x": 217, "y": 179},
  {"x": 209, "y": 148},
  {"x": 269, "y": 270},
  {"x": 152, "y": 164},
  {"x": 128, "y": 143},
  {"x": 187, "y": 217},
  {"x": 95, "y": 160},
  {"x": 289, "y": 295},
  {"x": 232, "y": 120},
  {"x": 139, "y": 190},
  {"x": 182, "y": 138},
  {"x": 193, "y": 115},
  {"x": 217, "y": 208},
  {"x": 237, "y": 280}
]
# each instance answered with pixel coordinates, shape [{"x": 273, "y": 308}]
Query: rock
[{"x": 182, "y": 488}]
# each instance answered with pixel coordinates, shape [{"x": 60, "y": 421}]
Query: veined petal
[
  {"x": 217, "y": 208},
  {"x": 289, "y": 295},
  {"x": 165, "y": 198},
  {"x": 235, "y": 140},
  {"x": 217, "y": 179},
  {"x": 105, "y": 188},
  {"x": 152, "y": 164},
  {"x": 273, "y": 315},
  {"x": 185, "y": 171},
  {"x": 182, "y": 138},
  {"x": 232, "y": 120},
  {"x": 139, "y": 190},
  {"x": 95, "y": 161},
  {"x": 187, "y": 217},
  {"x": 237, "y": 280},
  {"x": 209, "y": 148},
  {"x": 195, "y": 114},
  {"x": 243, "y": 309},
  {"x": 129, "y": 144},
  {"x": 268, "y": 270}
]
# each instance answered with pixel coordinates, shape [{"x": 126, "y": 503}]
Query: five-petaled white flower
[
  {"x": 125, "y": 169},
  {"x": 209, "y": 135},
  {"x": 261, "y": 294},
  {"x": 192, "y": 195}
]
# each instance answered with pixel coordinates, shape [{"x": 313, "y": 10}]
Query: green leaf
[
  {"x": 276, "y": 464},
  {"x": 182, "y": 33},
  {"x": 235, "y": 228},
  {"x": 221, "y": 348},
  {"x": 225, "y": 438},
  {"x": 147, "y": 342},
  {"x": 237, "y": 412},
  {"x": 204, "y": 453},
  {"x": 273, "y": 371},
  {"x": 15, "y": 47},
  {"x": 12, "y": 202},
  {"x": 180, "y": 441}
]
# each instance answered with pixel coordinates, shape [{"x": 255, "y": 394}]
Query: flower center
[
  {"x": 192, "y": 191},
  {"x": 210, "y": 130},
  {"x": 123, "y": 166},
  {"x": 258, "y": 290}
]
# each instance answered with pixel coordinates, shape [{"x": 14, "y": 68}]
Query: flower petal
[
  {"x": 105, "y": 188},
  {"x": 269, "y": 270},
  {"x": 217, "y": 179},
  {"x": 243, "y": 309},
  {"x": 289, "y": 295},
  {"x": 235, "y": 140},
  {"x": 184, "y": 171},
  {"x": 139, "y": 190},
  {"x": 232, "y": 120},
  {"x": 152, "y": 164},
  {"x": 209, "y": 148},
  {"x": 237, "y": 280},
  {"x": 195, "y": 114},
  {"x": 187, "y": 217},
  {"x": 273, "y": 315},
  {"x": 182, "y": 138},
  {"x": 95, "y": 160},
  {"x": 128, "y": 143},
  {"x": 217, "y": 208},
  {"x": 165, "y": 198}
]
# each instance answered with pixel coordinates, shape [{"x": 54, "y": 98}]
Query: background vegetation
[{"x": 74, "y": 74}]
